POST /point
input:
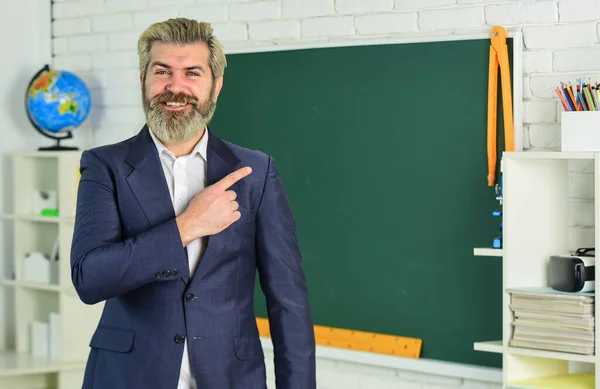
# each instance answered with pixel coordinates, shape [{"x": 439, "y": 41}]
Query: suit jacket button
[
  {"x": 179, "y": 338},
  {"x": 158, "y": 275},
  {"x": 189, "y": 296},
  {"x": 174, "y": 272},
  {"x": 166, "y": 273}
]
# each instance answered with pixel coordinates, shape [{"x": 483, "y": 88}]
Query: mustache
[{"x": 174, "y": 97}]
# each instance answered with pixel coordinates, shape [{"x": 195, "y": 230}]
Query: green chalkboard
[{"x": 382, "y": 151}]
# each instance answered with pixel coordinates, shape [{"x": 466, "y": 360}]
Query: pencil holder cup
[{"x": 580, "y": 131}]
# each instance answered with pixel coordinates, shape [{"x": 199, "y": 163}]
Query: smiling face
[{"x": 179, "y": 91}]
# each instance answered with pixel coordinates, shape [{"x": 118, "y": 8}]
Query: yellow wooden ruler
[{"x": 358, "y": 340}]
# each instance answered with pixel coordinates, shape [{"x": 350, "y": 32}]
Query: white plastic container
[{"x": 580, "y": 131}]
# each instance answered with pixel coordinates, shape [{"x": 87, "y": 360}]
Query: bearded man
[{"x": 172, "y": 226}]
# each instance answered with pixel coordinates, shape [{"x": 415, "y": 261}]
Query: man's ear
[{"x": 218, "y": 86}]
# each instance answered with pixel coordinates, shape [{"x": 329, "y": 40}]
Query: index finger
[{"x": 232, "y": 178}]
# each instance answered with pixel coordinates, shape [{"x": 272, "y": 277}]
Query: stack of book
[{"x": 546, "y": 319}]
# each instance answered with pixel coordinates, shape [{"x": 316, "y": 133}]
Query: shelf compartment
[
  {"x": 46, "y": 171},
  {"x": 35, "y": 237},
  {"x": 551, "y": 354},
  {"x": 582, "y": 380},
  {"x": 32, "y": 305},
  {"x": 33, "y": 174},
  {"x": 520, "y": 367}
]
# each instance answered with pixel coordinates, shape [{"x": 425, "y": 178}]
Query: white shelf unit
[
  {"x": 537, "y": 187},
  {"x": 35, "y": 301}
]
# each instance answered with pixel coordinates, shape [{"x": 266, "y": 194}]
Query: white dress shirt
[{"x": 186, "y": 176}]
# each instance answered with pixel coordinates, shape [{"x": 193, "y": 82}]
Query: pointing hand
[{"x": 212, "y": 210}]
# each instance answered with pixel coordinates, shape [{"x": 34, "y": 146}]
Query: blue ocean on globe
[{"x": 58, "y": 101}]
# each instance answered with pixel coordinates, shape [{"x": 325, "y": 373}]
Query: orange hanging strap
[{"x": 498, "y": 57}]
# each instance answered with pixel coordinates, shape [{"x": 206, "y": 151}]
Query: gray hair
[{"x": 182, "y": 31}]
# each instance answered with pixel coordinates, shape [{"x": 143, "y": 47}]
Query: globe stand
[{"x": 57, "y": 146}]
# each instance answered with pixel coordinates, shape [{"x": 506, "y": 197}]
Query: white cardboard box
[
  {"x": 38, "y": 268},
  {"x": 580, "y": 131},
  {"x": 39, "y": 338},
  {"x": 54, "y": 349}
]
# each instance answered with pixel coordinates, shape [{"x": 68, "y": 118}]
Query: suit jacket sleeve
[
  {"x": 103, "y": 264},
  {"x": 283, "y": 283}
]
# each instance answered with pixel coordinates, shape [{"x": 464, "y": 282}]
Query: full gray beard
[
  {"x": 179, "y": 126},
  {"x": 175, "y": 129}
]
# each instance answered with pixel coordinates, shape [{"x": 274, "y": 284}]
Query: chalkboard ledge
[{"x": 426, "y": 366}]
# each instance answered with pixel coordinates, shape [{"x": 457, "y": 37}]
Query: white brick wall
[{"x": 97, "y": 39}]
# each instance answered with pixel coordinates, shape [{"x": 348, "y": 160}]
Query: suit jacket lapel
[
  {"x": 221, "y": 162},
  {"x": 147, "y": 180}
]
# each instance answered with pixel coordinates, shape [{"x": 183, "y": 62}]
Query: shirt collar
[{"x": 200, "y": 147}]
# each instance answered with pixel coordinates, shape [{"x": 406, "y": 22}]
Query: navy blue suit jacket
[{"x": 127, "y": 251}]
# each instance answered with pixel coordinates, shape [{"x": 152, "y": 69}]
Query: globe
[{"x": 57, "y": 102}]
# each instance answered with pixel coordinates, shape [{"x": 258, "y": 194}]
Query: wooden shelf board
[
  {"x": 32, "y": 285},
  {"x": 36, "y": 218},
  {"x": 550, "y": 154},
  {"x": 494, "y": 346},
  {"x": 45, "y": 153},
  {"x": 551, "y": 354},
  {"x": 487, "y": 252},
  {"x": 14, "y": 364}
]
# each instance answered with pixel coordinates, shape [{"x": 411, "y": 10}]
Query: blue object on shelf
[{"x": 497, "y": 242}]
